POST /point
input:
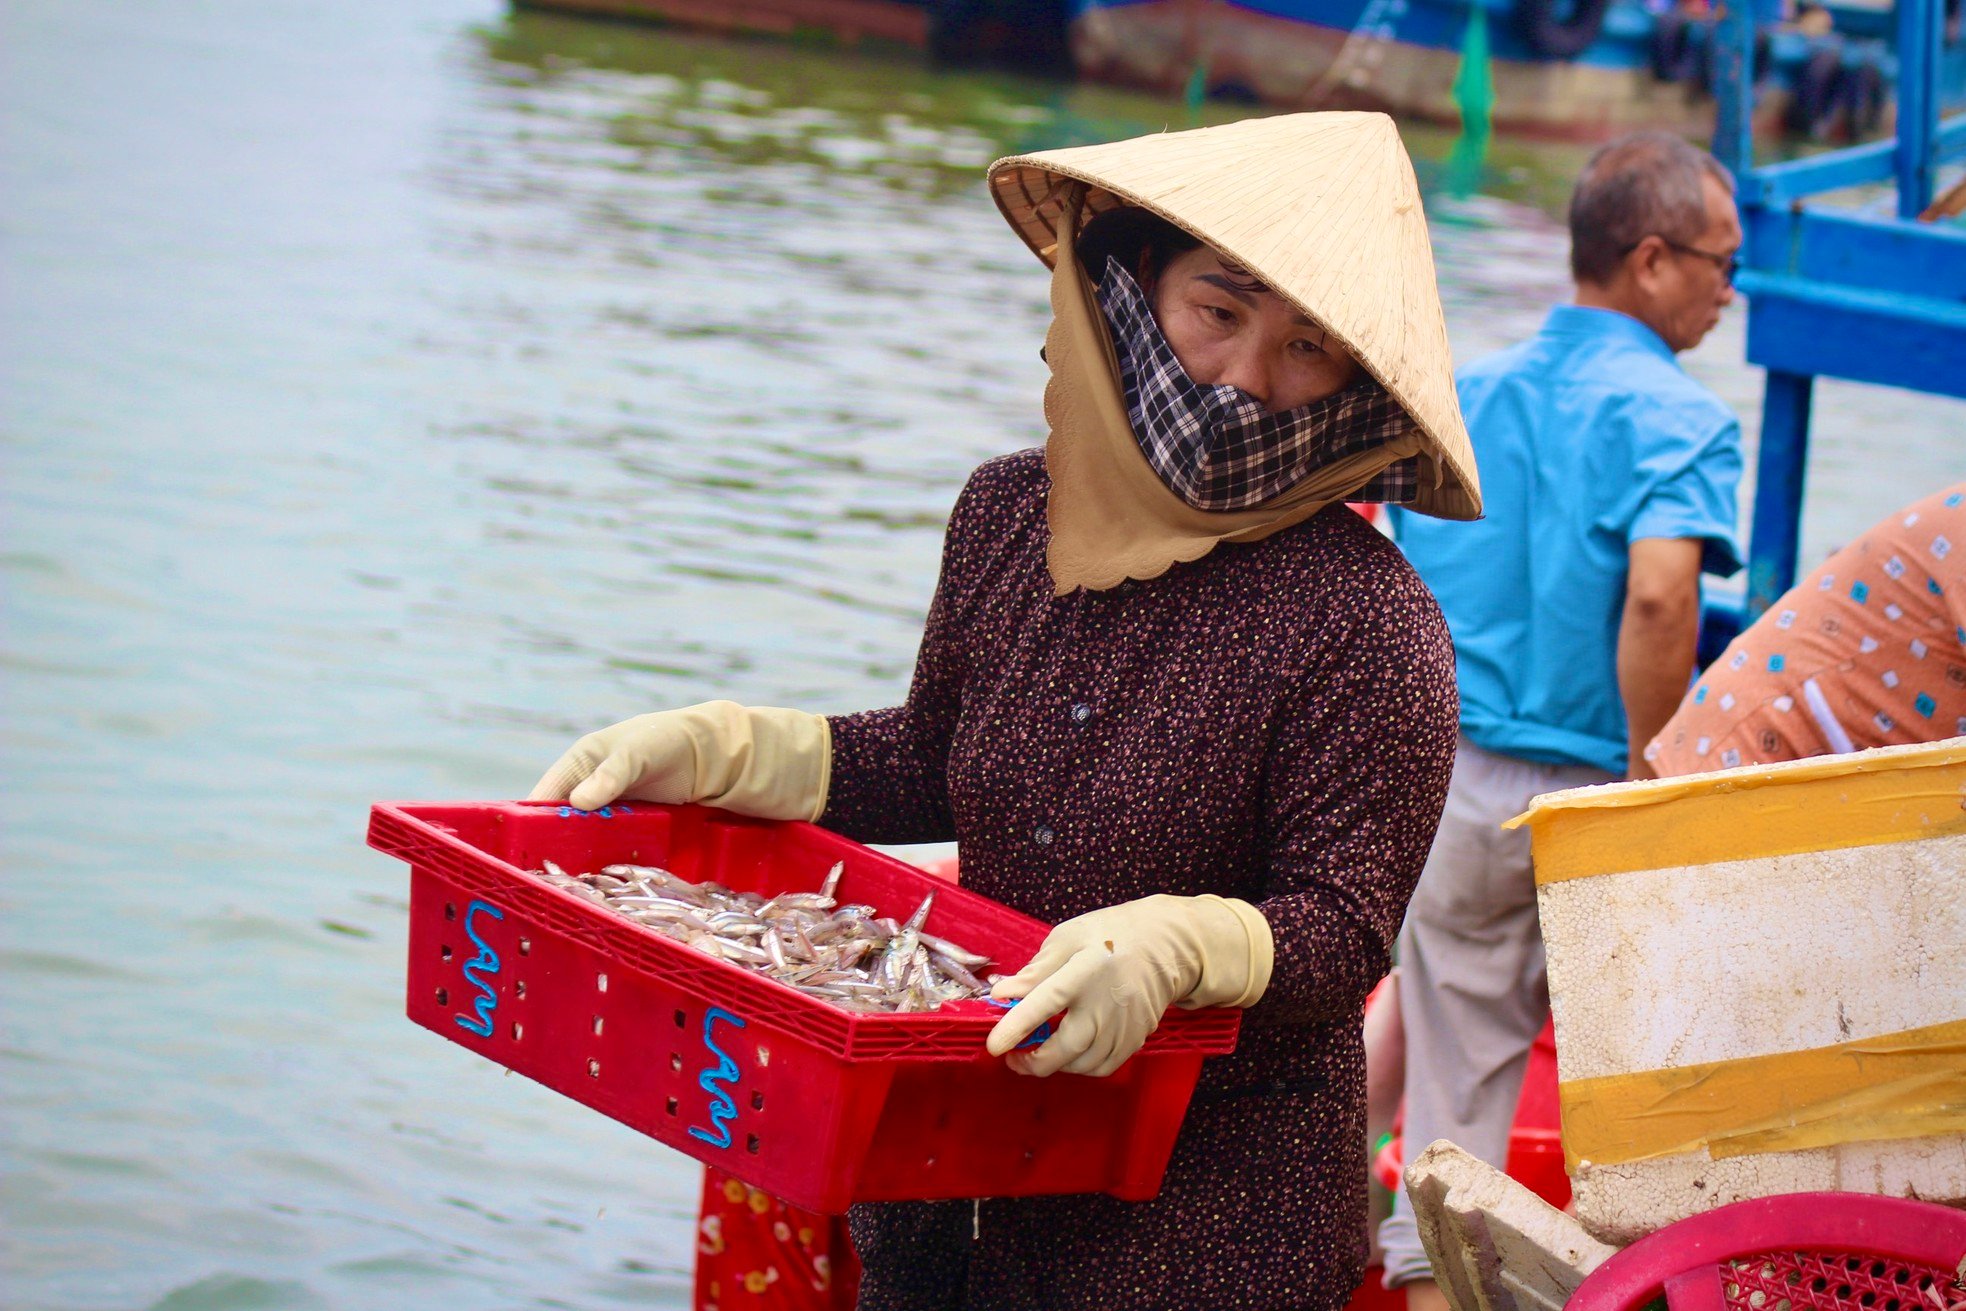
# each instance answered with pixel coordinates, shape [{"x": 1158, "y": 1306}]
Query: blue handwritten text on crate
[
  {"x": 713, "y": 1079},
  {"x": 484, "y": 963}
]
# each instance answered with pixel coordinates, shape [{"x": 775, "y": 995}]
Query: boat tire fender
[
  {"x": 1862, "y": 93},
  {"x": 1812, "y": 97},
  {"x": 1560, "y": 29},
  {"x": 1025, "y": 35},
  {"x": 1675, "y": 48}
]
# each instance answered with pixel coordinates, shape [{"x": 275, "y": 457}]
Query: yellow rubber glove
[
  {"x": 1114, "y": 972},
  {"x": 755, "y": 760}
]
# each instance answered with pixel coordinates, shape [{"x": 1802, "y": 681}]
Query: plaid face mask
[{"x": 1216, "y": 447}]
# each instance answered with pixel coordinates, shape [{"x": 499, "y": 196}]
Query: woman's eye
[
  {"x": 1219, "y": 314},
  {"x": 1306, "y": 348}
]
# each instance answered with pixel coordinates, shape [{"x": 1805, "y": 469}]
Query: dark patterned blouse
[{"x": 1274, "y": 722}]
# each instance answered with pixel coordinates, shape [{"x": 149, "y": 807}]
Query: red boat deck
[{"x": 851, "y": 21}]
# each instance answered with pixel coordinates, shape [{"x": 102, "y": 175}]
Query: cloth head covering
[
  {"x": 1324, "y": 209},
  {"x": 1217, "y": 448}
]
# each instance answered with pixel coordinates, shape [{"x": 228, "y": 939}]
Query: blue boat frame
[{"x": 1834, "y": 292}]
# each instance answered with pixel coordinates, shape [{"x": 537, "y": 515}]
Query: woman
[{"x": 1173, "y": 697}]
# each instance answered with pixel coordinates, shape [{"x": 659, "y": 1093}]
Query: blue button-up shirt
[{"x": 1589, "y": 436}]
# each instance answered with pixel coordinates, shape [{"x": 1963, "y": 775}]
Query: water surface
[{"x": 389, "y": 393}]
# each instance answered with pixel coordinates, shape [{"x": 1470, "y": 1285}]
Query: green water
[{"x": 389, "y": 392}]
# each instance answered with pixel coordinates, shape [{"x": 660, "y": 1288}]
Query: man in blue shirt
[{"x": 1610, "y": 481}]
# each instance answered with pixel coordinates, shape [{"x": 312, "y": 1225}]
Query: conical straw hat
[{"x": 1325, "y": 210}]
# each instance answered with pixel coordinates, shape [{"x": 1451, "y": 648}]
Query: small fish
[
  {"x": 800, "y": 901},
  {"x": 950, "y": 951},
  {"x": 898, "y": 963},
  {"x": 743, "y": 952},
  {"x": 849, "y": 956},
  {"x": 956, "y": 970},
  {"x": 640, "y": 901}
]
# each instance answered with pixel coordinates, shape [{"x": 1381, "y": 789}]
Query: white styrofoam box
[{"x": 1745, "y": 917}]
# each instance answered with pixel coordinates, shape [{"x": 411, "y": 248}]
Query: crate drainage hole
[
  {"x": 757, "y": 1101},
  {"x": 446, "y": 951},
  {"x": 593, "y": 1068},
  {"x": 450, "y": 910},
  {"x": 518, "y": 1031},
  {"x": 672, "y": 1106},
  {"x": 519, "y": 988},
  {"x": 600, "y": 983},
  {"x": 525, "y": 946},
  {"x": 681, "y": 1019},
  {"x": 597, "y": 1026},
  {"x": 675, "y": 1062},
  {"x": 443, "y": 997},
  {"x": 764, "y": 1056},
  {"x": 751, "y": 1144}
]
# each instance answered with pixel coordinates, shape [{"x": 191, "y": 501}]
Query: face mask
[{"x": 1216, "y": 447}]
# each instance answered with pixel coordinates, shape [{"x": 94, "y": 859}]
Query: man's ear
[{"x": 1642, "y": 264}]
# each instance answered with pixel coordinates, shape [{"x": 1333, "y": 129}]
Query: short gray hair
[{"x": 1640, "y": 185}]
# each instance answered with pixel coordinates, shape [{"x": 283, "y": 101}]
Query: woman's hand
[
  {"x": 1114, "y": 972},
  {"x": 757, "y": 760}
]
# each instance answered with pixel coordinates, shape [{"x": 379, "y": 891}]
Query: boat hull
[
  {"x": 849, "y": 21},
  {"x": 1293, "y": 63}
]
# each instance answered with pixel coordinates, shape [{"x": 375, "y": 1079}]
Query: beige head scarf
[{"x": 1325, "y": 210}]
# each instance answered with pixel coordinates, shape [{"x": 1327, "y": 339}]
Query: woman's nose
[{"x": 1246, "y": 372}]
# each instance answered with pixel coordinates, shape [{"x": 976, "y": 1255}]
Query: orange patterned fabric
[
  {"x": 754, "y": 1253},
  {"x": 1868, "y": 651}
]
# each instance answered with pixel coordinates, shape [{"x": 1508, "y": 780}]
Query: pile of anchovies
[{"x": 847, "y": 955}]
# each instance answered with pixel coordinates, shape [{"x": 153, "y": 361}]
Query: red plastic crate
[{"x": 816, "y": 1105}]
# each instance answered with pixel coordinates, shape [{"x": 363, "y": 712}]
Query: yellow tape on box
[
  {"x": 1891, "y": 795},
  {"x": 1898, "y": 1085}
]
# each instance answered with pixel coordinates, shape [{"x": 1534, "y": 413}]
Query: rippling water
[{"x": 388, "y": 394}]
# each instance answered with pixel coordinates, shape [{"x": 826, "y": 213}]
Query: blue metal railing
[{"x": 1839, "y": 293}]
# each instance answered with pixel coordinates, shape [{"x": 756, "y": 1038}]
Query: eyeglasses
[{"x": 1728, "y": 265}]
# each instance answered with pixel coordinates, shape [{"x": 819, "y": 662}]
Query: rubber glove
[
  {"x": 1114, "y": 972},
  {"x": 755, "y": 760}
]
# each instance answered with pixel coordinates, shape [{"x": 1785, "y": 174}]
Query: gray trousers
[{"x": 1473, "y": 989}]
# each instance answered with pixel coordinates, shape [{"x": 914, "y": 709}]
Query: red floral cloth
[{"x": 754, "y": 1252}]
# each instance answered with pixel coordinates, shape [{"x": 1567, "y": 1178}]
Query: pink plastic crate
[{"x": 815, "y": 1105}]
